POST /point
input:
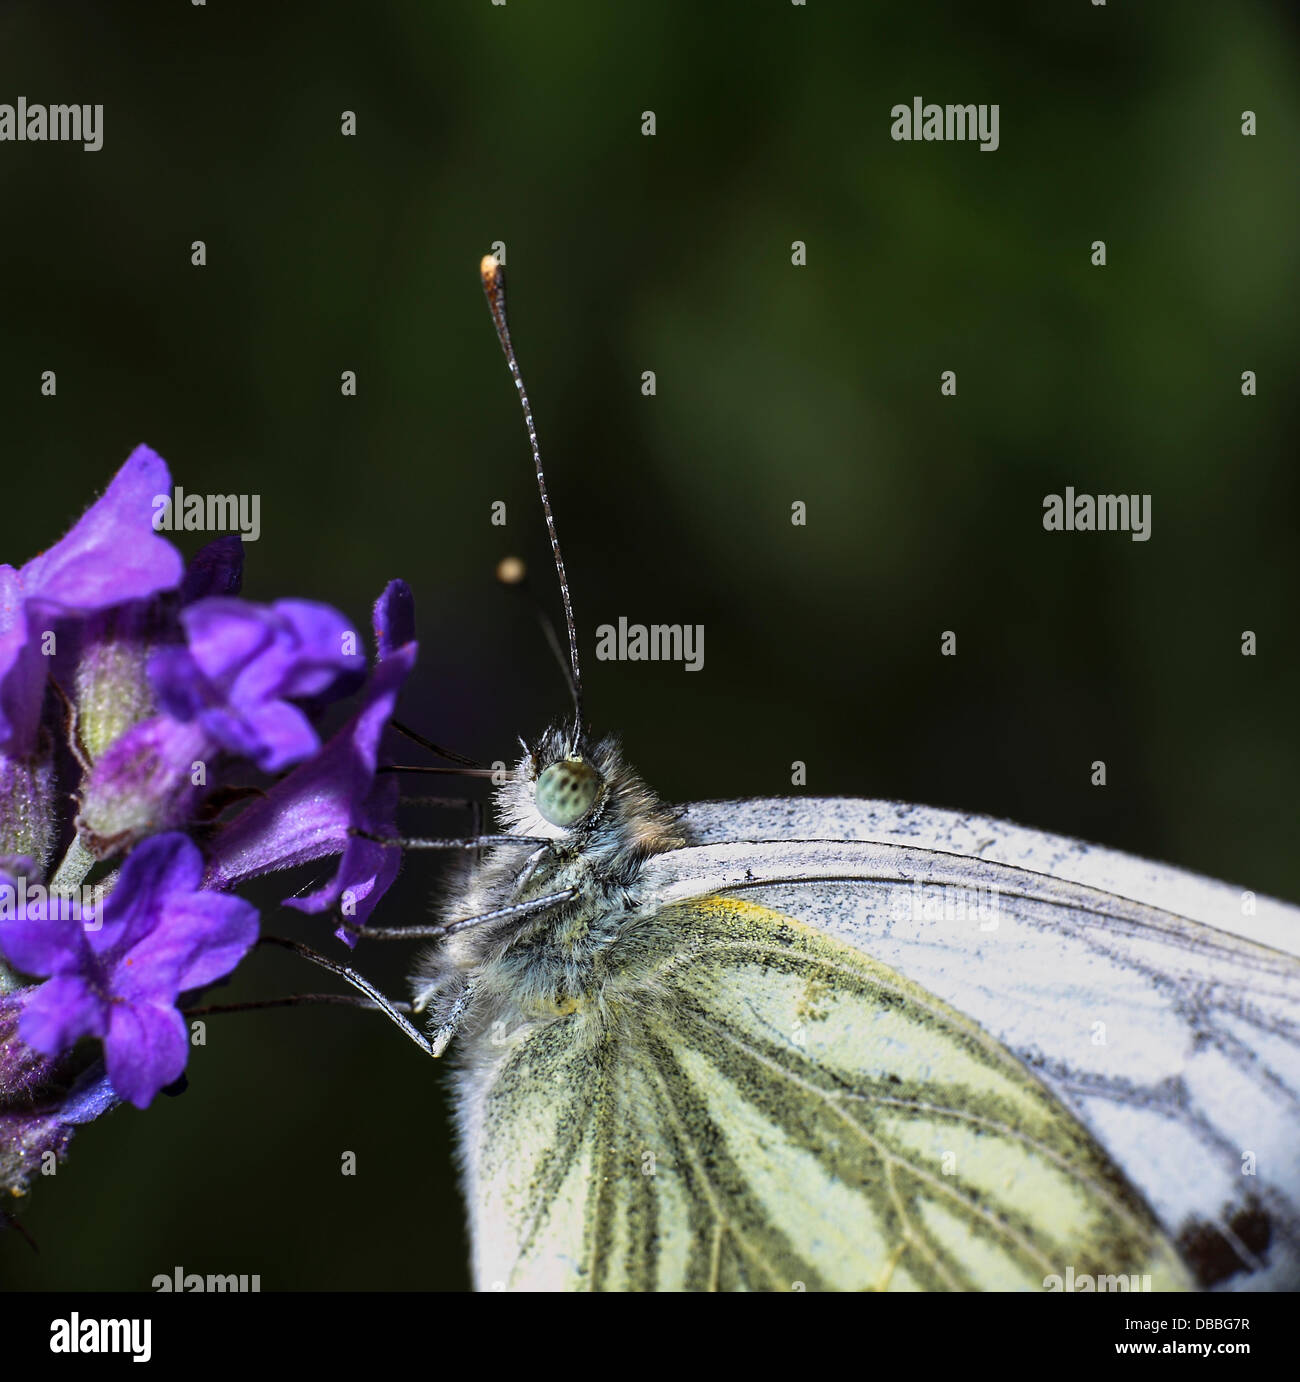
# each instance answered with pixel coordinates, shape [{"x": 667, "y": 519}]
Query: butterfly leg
[
  {"x": 448, "y": 999},
  {"x": 439, "y": 930},
  {"x": 358, "y": 982},
  {"x": 525, "y": 874},
  {"x": 475, "y": 844},
  {"x": 446, "y": 1029}
]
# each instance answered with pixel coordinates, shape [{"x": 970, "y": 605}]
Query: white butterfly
[{"x": 801, "y": 1043}]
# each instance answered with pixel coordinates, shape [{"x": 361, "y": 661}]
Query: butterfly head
[
  {"x": 583, "y": 795},
  {"x": 566, "y": 790},
  {"x": 560, "y": 787}
]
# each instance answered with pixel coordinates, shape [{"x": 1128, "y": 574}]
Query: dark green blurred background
[{"x": 521, "y": 123}]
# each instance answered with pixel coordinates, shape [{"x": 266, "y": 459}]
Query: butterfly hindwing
[{"x": 754, "y": 1104}]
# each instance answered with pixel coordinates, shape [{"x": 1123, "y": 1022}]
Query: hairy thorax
[{"x": 578, "y": 955}]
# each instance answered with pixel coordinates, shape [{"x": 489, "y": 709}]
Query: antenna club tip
[{"x": 489, "y": 268}]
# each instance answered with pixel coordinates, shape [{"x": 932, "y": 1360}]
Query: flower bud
[
  {"x": 112, "y": 691},
  {"x": 149, "y": 780}
]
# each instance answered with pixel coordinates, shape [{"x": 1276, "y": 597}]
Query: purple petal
[
  {"x": 394, "y": 618},
  {"x": 37, "y": 944},
  {"x": 202, "y": 937},
  {"x": 305, "y": 658},
  {"x": 225, "y": 634},
  {"x": 11, "y": 598},
  {"x": 110, "y": 557},
  {"x": 91, "y": 1096},
  {"x": 60, "y": 1012},
  {"x": 293, "y": 648},
  {"x": 367, "y": 869},
  {"x": 273, "y": 734},
  {"x": 366, "y": 889},
  {"x": 157, "y": 873},
  {"x": 244, "y": 664},
  {"x": 305, "y": 816},
  {"x": 310, "y": 813},
  {"x": 217, "y": 569},
  {"x": 380, "y": 702},
  {"x": 22, "y": 671},
  {"x": 144, "y": 1050},
  {"x": 179, "y": 687},
  {"x": 112, "y": 554}
]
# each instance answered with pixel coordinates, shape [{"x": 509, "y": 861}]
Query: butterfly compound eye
[{"x": 566, "y": 791}]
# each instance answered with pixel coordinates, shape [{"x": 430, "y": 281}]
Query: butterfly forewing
[{"x": 1175, "y": 1042}]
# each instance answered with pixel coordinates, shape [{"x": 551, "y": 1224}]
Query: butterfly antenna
[
  {"x": 494, "y": 286},
  {"x": 512, "y": 572}
]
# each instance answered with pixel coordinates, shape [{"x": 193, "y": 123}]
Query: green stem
[{"x": 73, "y": 867}]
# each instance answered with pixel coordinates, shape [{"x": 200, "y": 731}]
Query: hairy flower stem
[{"x": 73, "y": 867}]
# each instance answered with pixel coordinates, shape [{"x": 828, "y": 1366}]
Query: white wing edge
[{"x": 713, "y": 824}]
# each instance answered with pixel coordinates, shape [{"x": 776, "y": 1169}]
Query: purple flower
[
  {"x": 159, "y": 935},
  {"x": 315, "y": 810},
  {"x": 244, "y": 665},
  {"x": 110, "y": 556},
  {"x": 177, "y": 688},
  {"x": 227, "y": 691}
]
